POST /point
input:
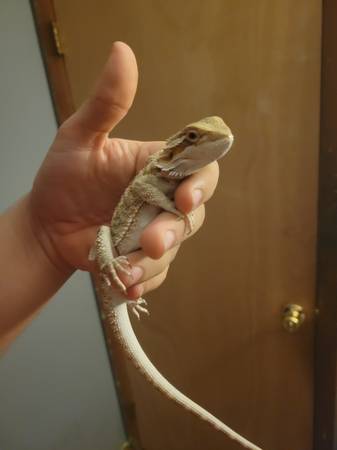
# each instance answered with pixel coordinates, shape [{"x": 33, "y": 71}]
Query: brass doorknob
[
  {"x": 126, "y": 446},
  {"x": 292, "y": 317}
]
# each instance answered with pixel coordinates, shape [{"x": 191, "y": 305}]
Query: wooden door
[{"x": 215, "y": 329}]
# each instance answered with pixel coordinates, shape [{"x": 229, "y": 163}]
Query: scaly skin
[{"x": 151, "y": 192}]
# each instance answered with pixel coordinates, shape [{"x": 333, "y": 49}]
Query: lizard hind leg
[
  {"x": 138, "y": 306},
  {"x": 109, "y": 271},
  {"x": 108, "y": 262}
]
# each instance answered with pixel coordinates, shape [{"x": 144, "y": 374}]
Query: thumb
[{"x": 112, "y": 96}]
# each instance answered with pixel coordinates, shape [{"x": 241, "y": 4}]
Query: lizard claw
[
  {"x": 105, "y": 279},
  {"x": 122, "y": 264},
  {"x": 189, "y": 222},
  {"x": 109, "y": 271},
  {"x": 137, "y": 307}
]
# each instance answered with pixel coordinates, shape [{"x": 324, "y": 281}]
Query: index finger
[{"x": 198, "y": 188}]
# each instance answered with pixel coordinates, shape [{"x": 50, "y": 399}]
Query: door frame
[{"x": 325, "y": 396}]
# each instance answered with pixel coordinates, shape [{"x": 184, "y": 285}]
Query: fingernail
[
  {"x": 169, "y": 239},
  {"x": 136, "y": 274},
  {"x": 196, "y": 197}
]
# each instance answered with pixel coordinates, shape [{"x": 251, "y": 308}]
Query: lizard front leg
[{"x": 148, "y": 188}]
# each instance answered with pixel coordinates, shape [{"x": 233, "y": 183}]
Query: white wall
[{"x": 56, "y": 388}]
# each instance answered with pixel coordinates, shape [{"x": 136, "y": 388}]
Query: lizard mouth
[
  {"x": 194, "y": 158},
  {"x": 173, "y": 174}
]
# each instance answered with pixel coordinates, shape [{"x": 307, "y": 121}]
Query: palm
[
  {"x": 85, "y": 172},
  {"x": 78, "y": 187}
]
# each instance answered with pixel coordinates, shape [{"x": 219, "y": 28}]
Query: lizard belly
[{"x": 130, "y": 243}]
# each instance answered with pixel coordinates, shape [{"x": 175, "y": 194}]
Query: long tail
[{"x": 124, "y": 331}]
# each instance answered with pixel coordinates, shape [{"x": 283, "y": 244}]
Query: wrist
[
  {"x": 29, "y": 278},
  {"x": 40, "y": 238}
]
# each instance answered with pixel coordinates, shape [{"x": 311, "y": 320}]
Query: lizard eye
[{"x": 192, "y": 136}]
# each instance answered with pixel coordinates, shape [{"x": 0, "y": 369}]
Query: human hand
[{"x": 85, "y": 172}]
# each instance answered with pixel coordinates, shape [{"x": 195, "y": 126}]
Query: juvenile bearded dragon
[{"x": 151, "y": 192}]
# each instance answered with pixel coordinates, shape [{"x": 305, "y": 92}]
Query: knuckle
[
  {"x": 199, "y": 218},
  {"x": 65, "y": 127},
  {"x": 215, "y": 169},
  {"x": 156, "y": 281},
  {"x": 172, "y": 253}
]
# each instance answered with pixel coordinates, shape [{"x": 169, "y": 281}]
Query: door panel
[{"x": 215, "y": 328}]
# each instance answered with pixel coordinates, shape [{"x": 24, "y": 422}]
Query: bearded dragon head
[{"x": 198, "y": 144}]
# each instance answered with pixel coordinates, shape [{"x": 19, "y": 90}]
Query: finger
[
  {"x": 111, "y": 98},
  {"x": 144, "y": 268},
  {"x": 166, "y": 231},
  {"x": 140, "y": 289},
  {"x": 198, "y": 188}
]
